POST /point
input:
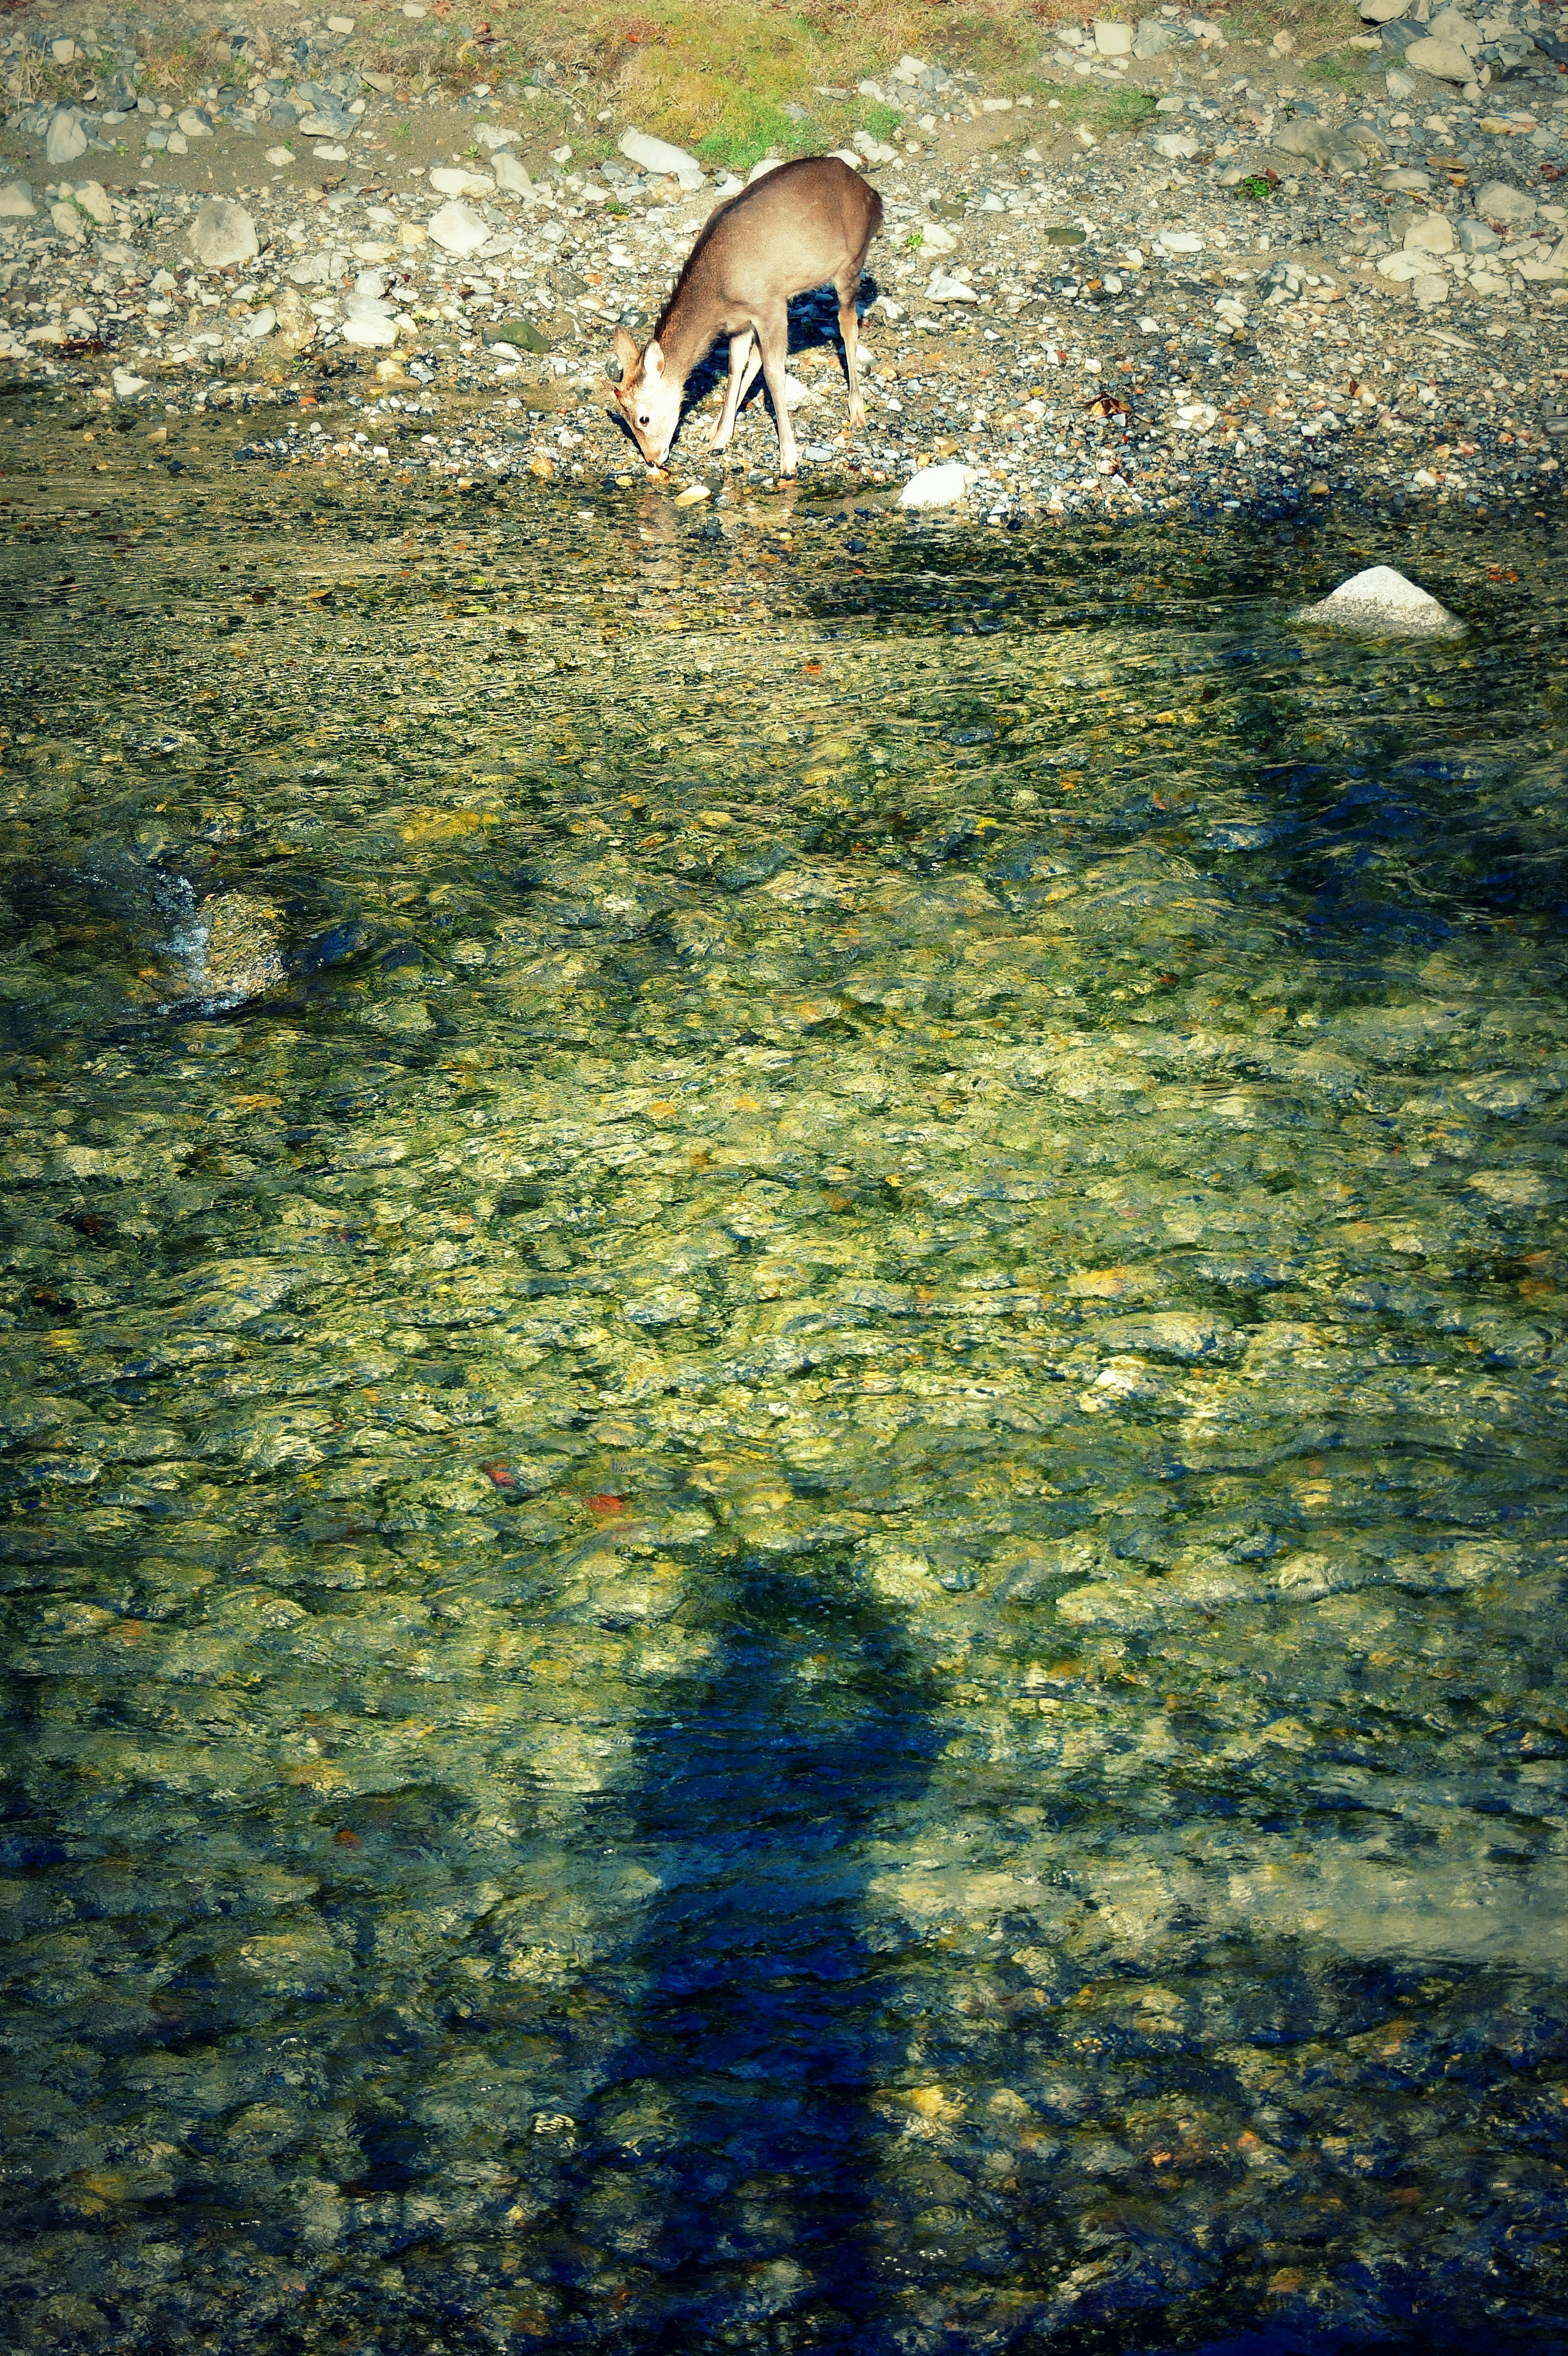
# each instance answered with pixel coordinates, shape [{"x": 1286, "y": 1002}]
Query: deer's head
[{"x": 648, "y": 395}]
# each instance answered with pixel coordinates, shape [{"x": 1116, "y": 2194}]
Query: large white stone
[
  {"x": 66, "y": 139},
  {"x": 92, "y": 197},
  {"x": 458, "y": 229},
  {"x": 260, "y": 324},
  {"x": 1381, "y": 12},
  {"x": 511, "y": 178},
  {"x": 936, "y": 238},
  {"x": 1180, "y": 240},
  {"x": 1113, "y": 39},
  {"x": 936, "y": 486},
  {"x": 222, "y": 233},
  {"x": 16, "y": 201},
  {"x": 943, "y": 289},
  {"x": 451, "y": 180},
  {"x": 658, "y": 155},
  {"x": 1497, "y": 202},
  {"x": 1382, "y": 604},
  {"x": 1176, "y": 146},
  {"x": 1451, "y": 24},
  {"x": 369, "y": 324},
  {"x": 68, "y": 222},
  {"x": 1445, "y": 61},
  {"x": 1432, "y": 234}
]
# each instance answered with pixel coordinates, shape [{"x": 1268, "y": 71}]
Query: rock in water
[
  {"x": 936, "y": 486},
  {"x": 233, "y": 951},
  {"x": 222, "y": 233},
  {"x": 1384, "y": 604}
]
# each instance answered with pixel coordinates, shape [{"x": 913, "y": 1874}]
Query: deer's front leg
[
  {"x": 743, "y": 364},
  {"x": 773, "y": 335}
]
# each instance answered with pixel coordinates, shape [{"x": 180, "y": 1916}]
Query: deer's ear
[
  {"x": 625, "y": 351},
  {"x": 653, "y": 360}
]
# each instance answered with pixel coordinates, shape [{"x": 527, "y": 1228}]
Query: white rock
[
  {"x": 1446, "y": 60},
  {"x": 370, "y": 324},
  {"x": 1497, "y": 202},
  {"x": 126, "y": 386},
  {"x": 936, "y": 486},
  {"x": 16, "y": 201},
  {"x": 1401, "y": 85},
  {"x": 1381, "y": 12},
  {"x": 458, "y": 229},
  {"x": 762, "y": 167},
  {"x": 176, "y": 144},
  {"x": 449, "y": 181},
  {"x": 221, "y": 233},
  {"x": 1384, "y": 604},
  {"x": 1433, "y": 234},
  {"x": 494, "y": 137},
  {"x": 331, "y": 152},
  {"x": 1429, "y": 292},
  {"x": 511, "y": 178},
  {"x": 1179, "y": 240},
  {"x": 66, "y": 139},
  {"x": 1178, "y": 146},
  {"x": 943, "y": 289},
  {"x": 279, "y": 156},
  {"x": 658, "y": 155},
  {"x": 260, "y": 324},
  {"x": 194, "y": 123},
  {"x": 1452, "y": 25},
  {"x": 68, "y": 222},
  {"x": 92, "y": 197},
  {"x": 1113, "y": 39},
  {"x": 936, "y": 238}
]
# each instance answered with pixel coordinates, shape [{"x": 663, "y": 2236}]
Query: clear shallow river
[{"x": 784, "y": 1515}]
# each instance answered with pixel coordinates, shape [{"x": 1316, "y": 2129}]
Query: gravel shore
[{"x": 1276, "y": 287}]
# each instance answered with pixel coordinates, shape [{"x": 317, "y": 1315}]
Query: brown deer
[{"x": 807, "y": 224}]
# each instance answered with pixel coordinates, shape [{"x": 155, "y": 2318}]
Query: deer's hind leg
[
  {"x": 847, "y": 287},
  {"x": 744, "y": 362}
]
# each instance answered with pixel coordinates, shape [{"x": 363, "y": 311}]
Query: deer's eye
[{"x": 644, "y": 421}]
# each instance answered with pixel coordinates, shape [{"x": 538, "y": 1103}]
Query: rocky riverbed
[{"x": 1268, "y": 286}]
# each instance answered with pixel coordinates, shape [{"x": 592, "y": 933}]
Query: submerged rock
[
  {"x": 1382, "y": 602},
  {"x": 233, "y": 951}
]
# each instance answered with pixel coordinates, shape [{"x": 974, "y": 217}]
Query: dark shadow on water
[{"x": 728, "y": 2167}]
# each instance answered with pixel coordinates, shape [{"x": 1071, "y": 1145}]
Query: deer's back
[{"x": 796, "y": 229}]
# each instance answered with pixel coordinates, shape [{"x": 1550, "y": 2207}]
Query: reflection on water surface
[{"x": 782, "y": 1512}]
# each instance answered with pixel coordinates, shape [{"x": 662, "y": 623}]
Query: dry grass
[{"x": 716, "y": 76}]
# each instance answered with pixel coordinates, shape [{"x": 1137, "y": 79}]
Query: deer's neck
[{"x": 687, "y": 328}]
